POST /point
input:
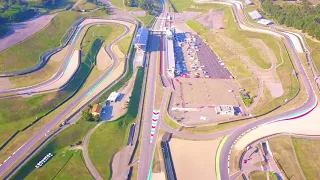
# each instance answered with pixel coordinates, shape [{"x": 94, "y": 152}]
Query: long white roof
[
  {"x": 255, "y": 15},
  {"x": 113, "y": 96},
  {"x": 170, "y": 57}
]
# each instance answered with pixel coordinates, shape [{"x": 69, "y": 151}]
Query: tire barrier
[
  {"x": 170, "y": 172},
  {"x": 131, "y": 134}
]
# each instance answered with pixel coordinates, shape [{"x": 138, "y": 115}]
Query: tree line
[
  {"x": 302, "y": 16},
  {"x": 151, "y": 6}
]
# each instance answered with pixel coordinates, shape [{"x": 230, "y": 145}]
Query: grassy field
[
  {"x": 315, "y": 52},
  {"x": 38, "y": 105},
  {"x": 118, "y": 3},
  {"x": 257, "y": 176},
  {"x": 85, "y": 5},
  {"x": 182, "y": 5},
  {"x": 237, "y": 68},
  {"x": 75, "y": 169},
  {"x": 308, "y": 154},
  {"x": 27, "y": 54},
  {"x": 110, "y": 137},
  {"x": 65, "y": 162},
  {"x": 146, "y": 19},
  {"x": 284, "y": 156}
]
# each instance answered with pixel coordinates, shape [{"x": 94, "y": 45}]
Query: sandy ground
[
  {"x": 60, "y": 55},
  {"x": 295, "y": 41},
  {"x": 103, "y": 60},
  {"x": 199, "y": 92},
  {"x": 194, "y": 159},
  {"x": 5, "y": 83},
  {"x": 158, "y": 176},
  {"x": 201, "y": 96},
  {"x": 22, "y": 31},
  {"x": 65, "y": 77},
  {"x": 139, "y": 13},
  {"x": 308, "y": 125},
  {"x": 212, "y": 20},
  {"x": 117, "y": 51},
  {"x": 185, "y": 16}
]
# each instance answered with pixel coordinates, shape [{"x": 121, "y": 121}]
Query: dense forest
[
  {"x": 151, "y": 6},
  {"x": 302, "y": 16}
]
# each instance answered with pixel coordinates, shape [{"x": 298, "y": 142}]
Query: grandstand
[
  {"x": 142, "y": 39},
  {"x": 170, "y": 58}
]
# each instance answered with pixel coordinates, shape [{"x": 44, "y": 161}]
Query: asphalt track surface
[
  {"x": 37, "y": 137},
  {"x": 305, "y": 108},
  {"x": 33, "y": 89},
  {"x": 210, "y": 61},
  {"x": 147, "y": 148}
]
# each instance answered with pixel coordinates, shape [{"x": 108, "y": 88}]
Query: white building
[
  {"x": 113, "y": 97},
  {"x": 170, "y": 58},
  {"x": 255, "y": 15},
  {"x": 224, "y": 110}
]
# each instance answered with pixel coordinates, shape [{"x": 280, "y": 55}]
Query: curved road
[
  {"x": 62, "y": 69},
  {"x": 36, "y": 138},
  {"x": 305, "y": 108}
]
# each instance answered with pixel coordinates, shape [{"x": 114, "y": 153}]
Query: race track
[{"x": 20, "y": 152}]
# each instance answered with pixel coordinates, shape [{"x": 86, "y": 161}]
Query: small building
[
  {"x": 265, "y": 22},
  {"x": 96, "y": 109},
  {"x": 141, "y": 40},
  {"x": 244, "y": 94},
  {"x": 248, "y": 2},
  {"x": 113, "y": 97},
  {"x": 224, "y": 110},
  {"x": 255, "y": 15}
]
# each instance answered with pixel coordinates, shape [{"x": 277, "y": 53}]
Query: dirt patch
[
  {"x": 60, "y": 55},
  {"x": 185, "y": 16},
  {"x": 117, "y": 51},
  {"x": 103, "y": 60},
  {"x": 212, "y": 20},
  {"x": 5, "y": 83},
  {"x": 194, "y": 159},
  {"x": 21, "y": 31},
  {"x": 139, "y": 13}
]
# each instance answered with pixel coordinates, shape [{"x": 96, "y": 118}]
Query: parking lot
[{"x": 212, "y": 64}]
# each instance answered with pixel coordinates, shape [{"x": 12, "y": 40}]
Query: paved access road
[
  {"x": 37, "y": 137},
  {"x": 306, "y": 107}
]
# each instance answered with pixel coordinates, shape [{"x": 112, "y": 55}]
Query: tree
[{"x": 96, "y": 118}]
